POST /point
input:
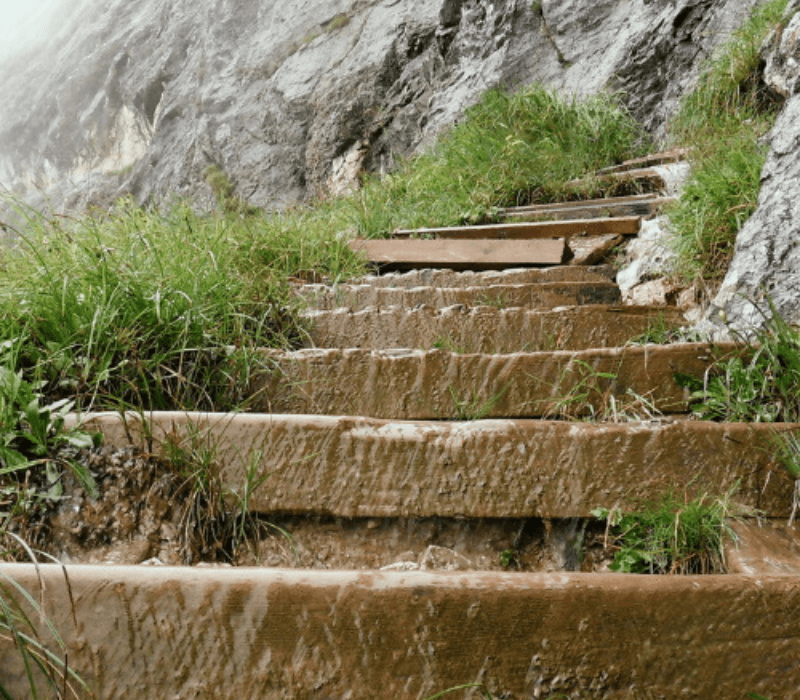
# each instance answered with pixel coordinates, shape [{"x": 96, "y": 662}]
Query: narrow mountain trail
[{"x": 435, "y": 452}]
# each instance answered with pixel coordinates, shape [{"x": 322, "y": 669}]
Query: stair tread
[{"x": 352, "y": 466}]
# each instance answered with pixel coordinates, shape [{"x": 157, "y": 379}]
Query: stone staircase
[{"x": 428, "y": 427}]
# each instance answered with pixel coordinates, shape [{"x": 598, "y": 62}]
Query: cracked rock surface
[{"x": 297, "y": 98}]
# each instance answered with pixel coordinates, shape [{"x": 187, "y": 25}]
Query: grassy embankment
[{"x": 723, "y": 120}]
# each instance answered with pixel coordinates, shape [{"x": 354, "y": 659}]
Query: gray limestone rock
[
  {"x": 297, "y": 98},
  {"x": 782, "y": 55},
  {"x": 766, "y": 262}
]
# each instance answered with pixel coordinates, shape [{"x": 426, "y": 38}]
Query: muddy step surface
[
  {"x": 442, "y": 277},
  {"x": 438, "y": 384},
  {"x": 274, "y": 634},
  {"x": 534, "y": 295},
  {"x": 361, "y": 467},
  {"x": 487, "y": 329}
]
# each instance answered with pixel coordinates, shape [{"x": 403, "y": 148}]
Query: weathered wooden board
[
  {"x": 626, "y": 225},
  {"x": 611, "y": 207},
  {"x": 672, "y": 156},
  {"x": 478, "y": 254}
]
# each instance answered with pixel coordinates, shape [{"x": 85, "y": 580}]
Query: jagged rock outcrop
[
  {"x": 296, "y": 98},
  {"x": 766, "y": 263}
]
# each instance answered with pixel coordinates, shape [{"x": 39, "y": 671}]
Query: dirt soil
[{"x": 150, "y": 512}]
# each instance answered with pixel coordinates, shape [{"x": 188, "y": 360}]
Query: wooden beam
[
  {"x": 480, "y": 254},
  {"x": 626, "y": 225},
  {"x": 579, "y": 210}
]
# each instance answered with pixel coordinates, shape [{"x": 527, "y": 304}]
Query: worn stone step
[
  {"x": 640, "y": 206},
  {"x": 361, "y": 467},
  {"x": 536, "y": 295},
  {"x": 475, "y": 254},
  {"x": 486, "y": 329},
  {"x": 267, "y": 634},
  {"x": 432, "y": 277},
  {"x": 625, "y": 225},
  {"x": 437, "y": 384}
]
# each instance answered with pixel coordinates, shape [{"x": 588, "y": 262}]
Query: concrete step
[
  {"x": 266, "y": 634},
  {"x": 432, "y": 277},
  {"x": 535, "y": 295},
  {"x": 368, "y": 468},
  {"x": 437, "y": 384},
  {"x": 486, "y": 329}
]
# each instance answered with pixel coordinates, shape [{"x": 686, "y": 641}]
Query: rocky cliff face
[
  {"x": 296, "y": 98},
  {"x": 765, "y": 269}
]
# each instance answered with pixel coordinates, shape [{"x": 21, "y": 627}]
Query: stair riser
[
  {"x": 412, "y": 384},
  {"x": 356, "y": 467},
  {"x": 547, "y": 295},
  {"x": 485, "y": 330},
  {"x": 450, "y": 278},
  {"x": 274, "y": 635}
]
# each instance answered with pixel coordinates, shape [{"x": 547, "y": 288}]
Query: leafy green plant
[
  {"x": 670, "y": 535},
  {"x": 35, "y": 446},
  {"x": 722, "y": 120}
]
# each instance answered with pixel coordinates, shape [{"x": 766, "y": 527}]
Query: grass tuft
[{"x": 670, "y": 535}]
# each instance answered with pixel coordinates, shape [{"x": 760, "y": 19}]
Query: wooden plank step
[
  {"x": 578, "y": 210},
  {"x": 674, "y": 155},
  {"x": 542, "y": 295},
  {"x": 650, "y": 179},
  {"x": 361, "y": 467},
  {"x": 602, "y": 200},
  {"x": 486, "y": 329},
  {"x": 626, "y": 225},
  {"x": 436, "y": 384},
  {"x": 478, "y": 254},
  {"x": 270, "y": 634}
]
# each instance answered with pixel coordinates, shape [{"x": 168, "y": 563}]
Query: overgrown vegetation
[
  {"x": 136, "y": 307},
  {"x": 723, "y": 120},
  {"x": 759, "y": 384},
  {"x": 510, "y": 148},
  {"x": 159, "y": 309},
  {"x": 670, "y": 535}
]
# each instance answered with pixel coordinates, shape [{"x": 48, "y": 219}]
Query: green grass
[
  {"x": 759, "y": 385},
  {"x": 158, "y": 309},
  {"x": 167, "y": 309},
  {"x": 722, "y": 120},
  {"x": 510, "y": 148},
  {"x": 671, "y": 535}
]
